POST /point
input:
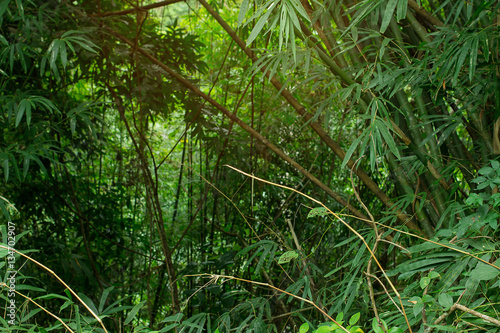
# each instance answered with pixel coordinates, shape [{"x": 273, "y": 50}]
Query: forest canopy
[{"x": 250, "y": 166}]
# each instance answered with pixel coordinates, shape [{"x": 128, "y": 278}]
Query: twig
[
  {"x": 466, "y": 310},
  {"x": 304, "y": 262},
  {"x": 386, "y": 291},
  {"x": 217, "y": 276},
  {"x": 61, "y": 281},
  {"x": 369, "y": 265},
  {"x": 428, "y": 240},
  {"x": 137, "y": 8},
  {"x": 337, "y": 216},
  {"x": 41, "y": 307},
  {"x": 478, "y": 314}
]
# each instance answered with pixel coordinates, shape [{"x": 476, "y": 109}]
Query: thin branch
[
  {"x": 217, "y": 277},
  {"x": 60, "y": 281},
  {"x": 431, "y": 241},
  {"x": 309, "y": 119},
  {"x": 137, "y": 8},
  {"x": 385, "y": 291},
  {"x": 478, "y": 314},
  {"x": 337, "y": 216},
  {"x": 466, "y": 310},
  {"x": 41, "y": 307},
  {"x": 244, "y": 126}
]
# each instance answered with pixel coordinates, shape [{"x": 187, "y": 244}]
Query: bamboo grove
[{"x": 250, "y": 166}]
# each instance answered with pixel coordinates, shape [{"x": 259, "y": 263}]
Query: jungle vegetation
[{"x": 250, "y": 166}]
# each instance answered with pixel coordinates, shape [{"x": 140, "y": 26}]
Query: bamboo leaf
[
  {"x": 401, "y": 9},
  {"x": 89, "y": 302},
  {"x": 5, "y": 211},
  {"x": 133, "y": 312},
  {"x": 20, "y": 111},
  {"x": 104, "y": 297},
  {"x": 300, "y": 9},
  {"x": 389, "y": 11},
  {"x": 293, "y": 16},
  {"x": 5, "y": 163},
  {"x": 473, "y": 58},
  {"x": 63, "y": 55},
  {"x": 464, "y": 52},
  {"x": 243, "y": 11},
  {"x": 389, "y": 140},
  {"x": 258, "y": 27},
  {"x": 351, "y": 150}
]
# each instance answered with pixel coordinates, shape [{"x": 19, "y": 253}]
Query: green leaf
[
  {"x": 376, "y": 327},
  {"x": 351, "y": 150},
  {"x": 78, "y": 319},
  {"x": 300, "y": 9},
  {"x": 464, "y": 52},
  {"x": 473, "y": 58},
  {"x": 324, "y": 329},
  {"x": 29, "y": 287},
  {"x": 26, "y": 165},
  {"x": 29, "y": 315},
  {"x": 3, "y": 251},
  {"x": 354, "y": 33},
  {"x": 3, "y": 40},
  {"x": 63, "y": 54},
  {"x": 452, "y": 274},
  {"x": 4, "y": 209},
  {"x": 293, "y": 17},
  {"x": 318, "y": 211},
  {"x": 287, "y": 257},
  {"x": 174, "y": 318},
  {"x": 383, "y": 128},
  {"x": 418, "y": 305},
  {"x": 389, "y": 11},
  {"x": 474, "y": 199},
  {"x": 104, "y": 297},
  {"x": 52, "y": 296},
  {"x": 5, "y": 163},
  {"x": 401, "y": 9},
  {"x": 495, "y": 165},
  {"x": 484, "y": 272},
  {"x": 445, "y": 300},
  {"x": 434, "y": 275},
  {"x": 258, "y": 27},
  {"x": 424, "y": 282},
  {"x": 170, "y": 328},
  {"x": 243, "y": 11},
  {"x": 354, "y": 319},
  {"x": 54, "y": 52},
  {"x": 133, "y": 312},
  {"x": 304, "y": 328},
  {"x": 20, "y": 111},
  {"x": 89, "y": 302}
]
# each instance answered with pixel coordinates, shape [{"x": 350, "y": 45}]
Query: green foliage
[
  {"x": 114, "y": 170},
  {"x": 287, "y": 257},
  {"x": 265, "y": 249}
]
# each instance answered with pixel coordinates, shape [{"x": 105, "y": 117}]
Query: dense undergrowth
[{"x": 267, "y": 166}]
